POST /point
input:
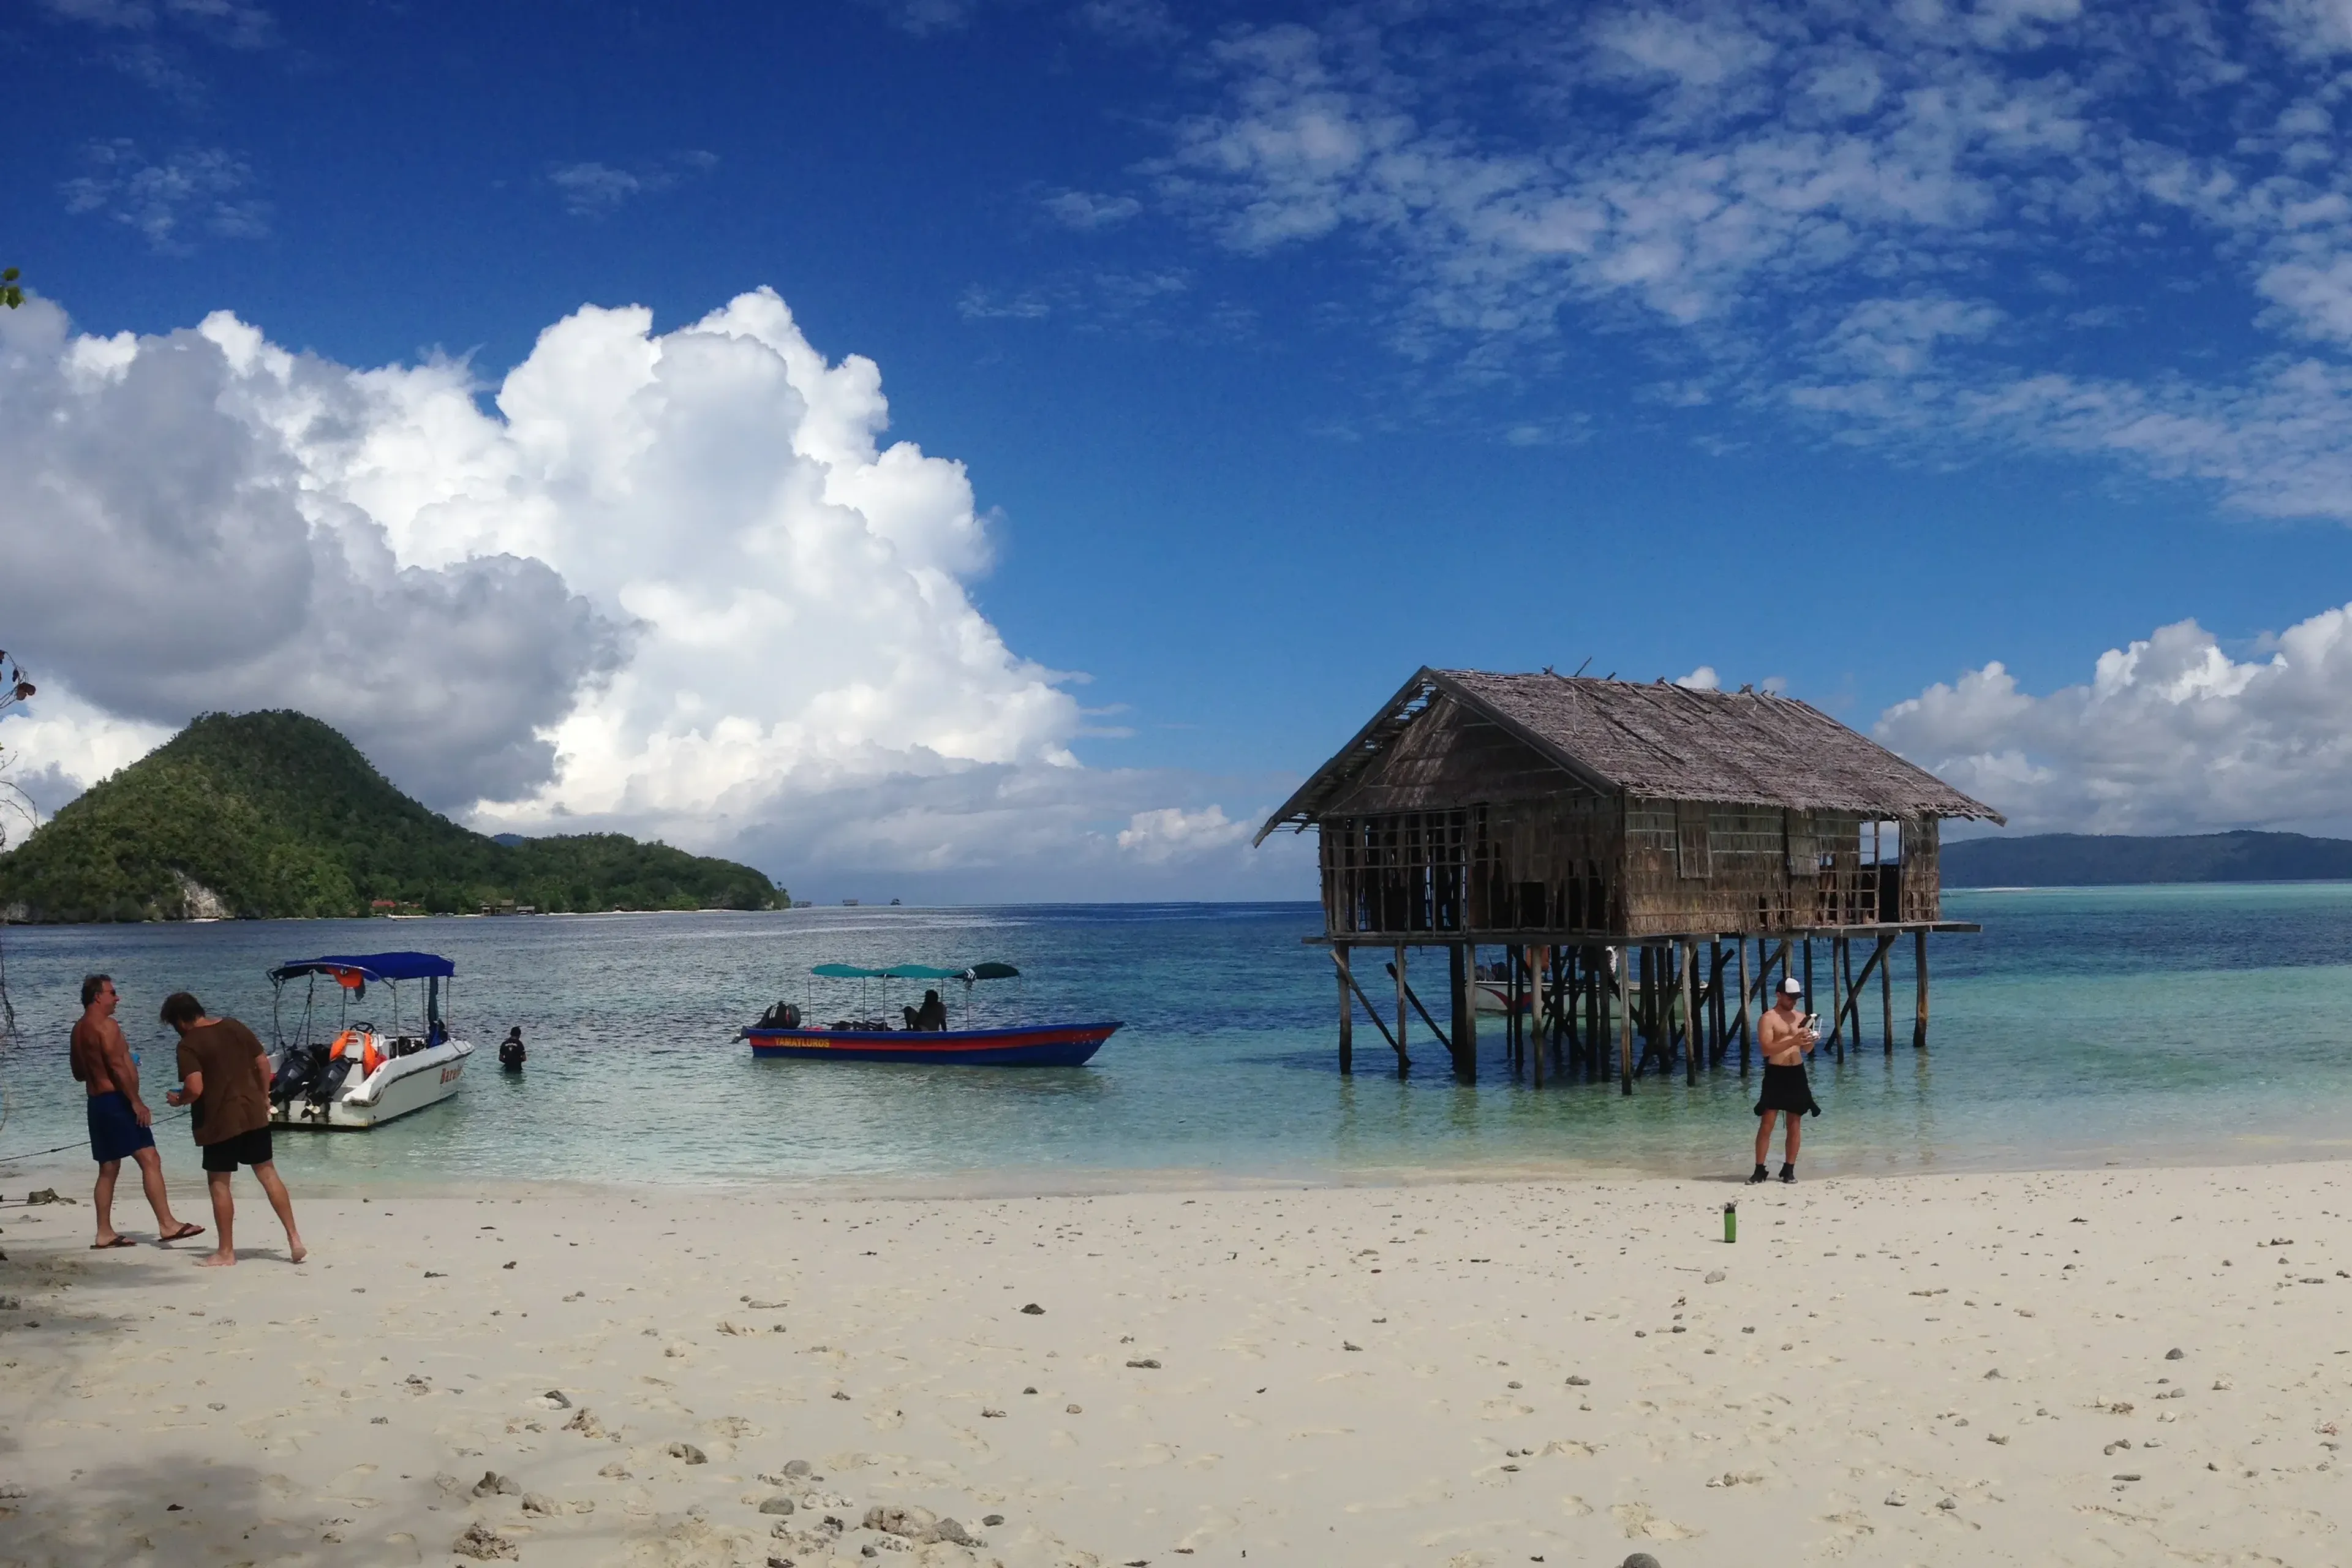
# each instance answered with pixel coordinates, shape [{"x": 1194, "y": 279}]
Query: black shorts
[
  {"x": 245, "y": 1149},
  {"x": 1786, "y": 1089}
]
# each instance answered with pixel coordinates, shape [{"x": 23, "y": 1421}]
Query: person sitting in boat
[
  {"x": 510, "y": 1051},
  {"x": 931, "y": 1016}
]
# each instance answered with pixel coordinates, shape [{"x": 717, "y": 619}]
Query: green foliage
[
  {"x": 277, "y": 816},
  {"x": 12, "y": 293}
]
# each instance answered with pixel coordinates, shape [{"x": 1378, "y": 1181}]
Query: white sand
[{"x": 1365, "y": 1375}]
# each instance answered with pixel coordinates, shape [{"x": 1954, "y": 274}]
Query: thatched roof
[{"x": 1656, "y": 742}]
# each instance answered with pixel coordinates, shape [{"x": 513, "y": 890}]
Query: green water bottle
[{"x": 1731, "y": 1222}]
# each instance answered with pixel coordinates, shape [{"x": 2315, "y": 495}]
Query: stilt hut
[{"x": 1650, "y": 860}]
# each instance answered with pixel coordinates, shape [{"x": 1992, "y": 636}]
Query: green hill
[
  {"x": 2089, "y": 860},
  {"x": 275, "y": 815}
]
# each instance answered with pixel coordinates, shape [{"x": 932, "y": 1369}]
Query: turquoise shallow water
[{"x": 2141, "y": 1024}]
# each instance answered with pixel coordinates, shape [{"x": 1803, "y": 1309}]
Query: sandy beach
[{"x": 1943, "y": 1369}]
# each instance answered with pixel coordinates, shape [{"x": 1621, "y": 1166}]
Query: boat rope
[{"x": 13, "y": 1157}]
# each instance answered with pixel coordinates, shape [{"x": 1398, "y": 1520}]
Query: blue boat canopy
[
  {"x": 369, "y": 966},
  {"x": 916, "y": 972}
]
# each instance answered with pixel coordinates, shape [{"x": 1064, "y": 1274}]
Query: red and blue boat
[{"x": 925, "y": 1034}]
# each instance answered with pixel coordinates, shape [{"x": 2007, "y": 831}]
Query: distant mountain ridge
[
  {"x": 2091, "y": 860},
  {"x": 276, "y": 816}
]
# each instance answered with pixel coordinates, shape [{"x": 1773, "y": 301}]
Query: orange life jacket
[{"x": 371, "y": 1059}]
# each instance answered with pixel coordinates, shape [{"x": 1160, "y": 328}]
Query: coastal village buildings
[{"x": 1650, "y": 859}]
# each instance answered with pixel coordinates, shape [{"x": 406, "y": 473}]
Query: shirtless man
[
  {"x": 1785, "y": 1041},
  {"x": 118, "y": 1120}
]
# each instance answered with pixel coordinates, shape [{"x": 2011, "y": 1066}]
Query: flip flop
[
  {"x": 110, "y": 1245},
  {"x": 186, "y": 1231}
]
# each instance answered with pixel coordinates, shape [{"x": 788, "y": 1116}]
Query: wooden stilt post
[
  {"x": 1812, "y": 1003},
  {"x": 1649, "y": 1007},
  {"x": 1398, "y": 967},
  {"x": 1694, "y": 1031},
  {"x": 1456, "y": 962},
  {"x": 1887, "y": 988},
  {"x": 1346, "y": 1013},
  {"x": 1838, "y": 979},
  {"x": 1542, "y": 1013},
  {"x": 1466, "y": 1033},
  {"x": 1625, "y": 1021},
  {"x": 1853, "y": 1001},
  {"x": 1718, "y": 1034},
  {"x": 1919, "y": 967},
  {"x": 1742, "y": 944}
]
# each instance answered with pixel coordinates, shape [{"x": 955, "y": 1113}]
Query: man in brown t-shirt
[{"x": 225, "y": 1074}]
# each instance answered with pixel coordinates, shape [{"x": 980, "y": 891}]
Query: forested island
[
  {"x": 2091, "y": 860},
  {"x": 277, "y": 816}
]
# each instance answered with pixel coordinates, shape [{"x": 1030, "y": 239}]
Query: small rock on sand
[
  {"x": 483, "y": 1544},
  {"x": 1581, "y": 1382},
  {"x": 993, "y": 1521},
  {"x": 796, "y": 1468},
  {"x": 540, "y": 1502},
  {"x": 1641, "y": 1560},
  {"x": 492, "y": 1484},
  {"x": 777, "y": 1504},
  {"x": 689, "y": 1453},
  {"x": 1714, "y": 1276},
  {"x": 555, "y": 1397},
  {"x": 1073, "y": 1410},
  {"x": 615, "y": 1471},
  {"x": 2176, "y": 1354},
  {"x": 1033, "y": 1310},
  {"x": 905, "y": 1521},
  {"x": 1897, "y": 1500},
  {"x": 1145, "y": 1364}
]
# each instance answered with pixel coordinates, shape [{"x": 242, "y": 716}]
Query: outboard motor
[
  {"x": 332, "y": 1077},
  {"x": 298, "y": 1073},
  {"x": 783, "y": 1016}
]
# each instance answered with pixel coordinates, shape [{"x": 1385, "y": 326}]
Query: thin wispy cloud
[
  {"x": 1860, "y": 217},
  {"x": 225, "y": 22},
  {"x": 1085, "y": 210},
  {"x": 590, "y": 189},
  {"x": 193, "y": 195},
  {"x": 1155, "y": 302}
]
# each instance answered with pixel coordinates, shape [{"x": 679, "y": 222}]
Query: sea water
[{"x": 2143, "y": 1025}]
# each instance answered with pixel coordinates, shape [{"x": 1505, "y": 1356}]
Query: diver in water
[{"x": 510, "y": 1051}]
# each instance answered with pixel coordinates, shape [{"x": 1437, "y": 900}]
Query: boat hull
[
  {"x": 402, "y": 1085},
  {"x": 1033, "y": 1046},
  {"x": 1495, "y": 997}
]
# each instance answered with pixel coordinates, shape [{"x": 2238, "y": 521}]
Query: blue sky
[{"x": 1861, "y": 349}]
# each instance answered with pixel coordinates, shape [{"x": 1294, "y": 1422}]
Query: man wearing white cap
[{"x": 1786, "y": 1037}]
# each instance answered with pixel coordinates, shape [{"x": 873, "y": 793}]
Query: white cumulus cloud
[
  {"x": 2169, "y": 734},
  {"x": 1171, "y": 832},
  {"x": 670, "y": 583}
]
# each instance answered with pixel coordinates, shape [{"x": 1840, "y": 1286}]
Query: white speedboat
[{"x": 362, "y": 1076}]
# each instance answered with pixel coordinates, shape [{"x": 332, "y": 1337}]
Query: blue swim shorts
[{"x": 114, "y": 1130}]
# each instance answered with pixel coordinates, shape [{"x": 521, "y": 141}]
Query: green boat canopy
[{"x": 916, "y": 972}]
